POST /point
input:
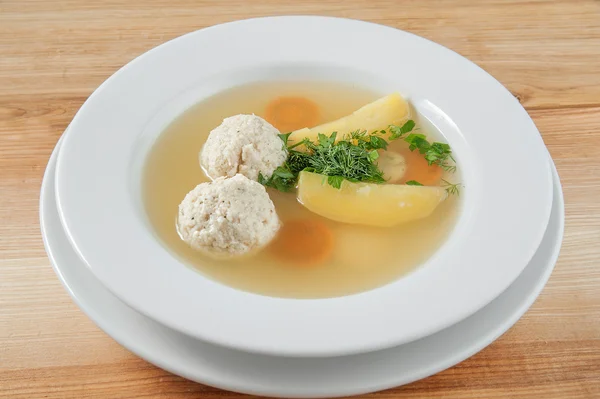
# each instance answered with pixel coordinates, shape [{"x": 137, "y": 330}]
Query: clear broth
[{"x": 363, "y": 258}]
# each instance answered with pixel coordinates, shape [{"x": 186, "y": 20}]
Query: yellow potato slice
[
  {"x": 368, "y": 204},
  {"x": 388, "y": 110}
]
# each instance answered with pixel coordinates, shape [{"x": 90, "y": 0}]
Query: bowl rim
[{"x": 470, "y": 269}]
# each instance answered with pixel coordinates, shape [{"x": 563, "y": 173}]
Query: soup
[{"x": 312, "y": 256}]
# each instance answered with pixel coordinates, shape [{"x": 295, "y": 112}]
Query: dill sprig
[
  {"x": 451, "y": 188},
  {"x": 351, "y": 159}
]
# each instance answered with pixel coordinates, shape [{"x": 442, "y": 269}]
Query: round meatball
[
  {"x": 245, "y": 144},
  {"x": 228, "y": 216}
]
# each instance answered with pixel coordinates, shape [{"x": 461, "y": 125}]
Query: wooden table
[{"x": 53, "y": 54}]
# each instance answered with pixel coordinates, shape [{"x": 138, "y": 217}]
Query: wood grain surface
[{"x": 53, "y": 54}]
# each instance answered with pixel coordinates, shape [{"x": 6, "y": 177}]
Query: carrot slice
[
  {"x": 291, "y": 113},
  {"x": 303, "y": 241}
]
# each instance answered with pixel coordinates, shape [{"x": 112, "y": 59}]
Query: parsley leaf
[
  {"x": 417, "y": 141},
  {"x": 435, "y": 153},
  {"x": 325, "y": 141},
  {"x": 397, "y": 132},
  {"x": 285, "y": 137},
  {"x": 373, "y": 155},
  {"x": 282, "y": 179},
  {"x": 377, "y": 143},
  {"x": 335, "y": 181}
]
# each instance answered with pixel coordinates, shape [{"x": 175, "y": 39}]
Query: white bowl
[{"x": 506, "y": 205}]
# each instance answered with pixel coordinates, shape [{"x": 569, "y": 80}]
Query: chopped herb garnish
[
  {"x": 435, "y": 153},
  {"x": 377, "y": 142},
  {"x": 354, "y": 157},
  {"x": 283, "y": 179},
  {"x": 397, "y": 132}
]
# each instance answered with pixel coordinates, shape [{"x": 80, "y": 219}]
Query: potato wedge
[
  {"x": 368, "y": 204},
  {"x": 388, "y": 110}
]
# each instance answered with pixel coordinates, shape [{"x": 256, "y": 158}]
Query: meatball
[
  {"x": 245, "y": 144},
  {"x": 228, "y": 216}
]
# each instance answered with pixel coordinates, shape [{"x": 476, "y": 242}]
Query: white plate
[
  {"x": 507, "y": 199},
  {"x": 294, "y": 377}
]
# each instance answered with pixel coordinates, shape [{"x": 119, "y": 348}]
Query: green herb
[
  {"x": 397, "y": 132},
  {"x": 417, "y": 141},
  {"x": 377, "y": 142},
  {"x": 353, "y": 158},
  {"x": 335, "y": 181},
  {"x": 435, "y": 153},
  {"x": 452, "y": 188},
  {"x": 368, "y": 141},
  {"x": 373, "y": 155},
  {"x": 283, "y": 179},
  {"x": 326, "y": 142},
  {"x": 284, "y": 138},
  {"x": 298, "y": 161},
  {"x": 413, "y": 183}
]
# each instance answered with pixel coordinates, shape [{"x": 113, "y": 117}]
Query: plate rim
[{"x": 158, "y": 360}]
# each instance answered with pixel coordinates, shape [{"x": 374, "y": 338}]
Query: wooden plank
[
  {"x": 54, "y": 54},
  {"x": 545, "y": 52}
]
